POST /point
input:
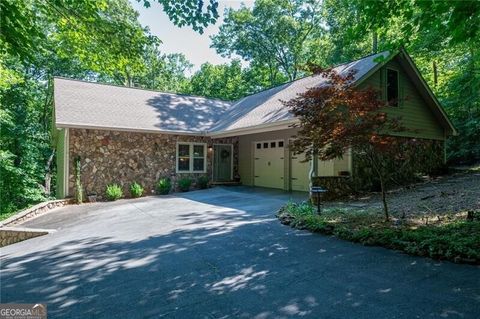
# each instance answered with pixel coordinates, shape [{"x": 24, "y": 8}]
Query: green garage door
[
  {"x": 299, "y": 173},
  {"x": 269, "y": 164}
]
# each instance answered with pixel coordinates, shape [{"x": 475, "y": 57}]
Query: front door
[{"x": 222, "y": 162}]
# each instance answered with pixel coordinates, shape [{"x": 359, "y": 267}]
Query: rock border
[
  {"x": 34, "y": 211},
  {"x": 12, "y": 235}
]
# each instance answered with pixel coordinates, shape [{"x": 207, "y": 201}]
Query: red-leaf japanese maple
[{"x": 336, "y": 116}]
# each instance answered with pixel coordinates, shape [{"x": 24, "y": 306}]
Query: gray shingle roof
[
  {"x": 266, "y": 106},
  {"x": 84, "y": 104}
]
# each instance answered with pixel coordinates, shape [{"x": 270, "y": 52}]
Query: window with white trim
[{"x": 191, "y": 157}]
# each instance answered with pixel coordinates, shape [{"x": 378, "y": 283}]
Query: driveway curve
[{"x": 220, "y": 253}]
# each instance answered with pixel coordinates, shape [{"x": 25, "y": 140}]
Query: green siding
[
  {"x": 60, "y": 148},
  {"x": 415, "y": 113}
]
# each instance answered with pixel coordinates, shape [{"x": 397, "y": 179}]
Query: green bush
[
  {"x": 136, "y": 190},
  {"x": 304, "y": 208},
  {"x": 184, "y": 184},
  {"x": 113, "y": 192},
  {"x": 202, "y": 182},
  {"x": 164, "y": 185}
]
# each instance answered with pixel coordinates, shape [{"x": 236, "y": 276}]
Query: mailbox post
[{"x": 317, "y": 192}]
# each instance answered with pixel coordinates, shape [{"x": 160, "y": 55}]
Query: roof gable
[
  {"x": 431, "y": 100},
  {"x": 266, "y": 107}
]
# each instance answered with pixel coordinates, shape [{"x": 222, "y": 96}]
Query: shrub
[
  {"x": 136, "y": 190},
  {"x": 202, "y": 182},
  {"x": 164, "y": 185},
  {"x": 303, "y": 208},
  {"x": 184, "y": 184},
  {"x": 113, "y": 192}
]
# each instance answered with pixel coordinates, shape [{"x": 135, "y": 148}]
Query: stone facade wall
[
  {"x": 421, "y": 156},
  {"x": 125, "y": 157},
  {"x": 336, "y": 186}
]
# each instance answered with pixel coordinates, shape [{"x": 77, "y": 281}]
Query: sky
[{"x": 195, "y": 46}]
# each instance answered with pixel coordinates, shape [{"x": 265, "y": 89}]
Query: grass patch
[{"x": 449, "y": 238}]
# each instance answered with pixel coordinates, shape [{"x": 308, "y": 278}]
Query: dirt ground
[{"x": 443, "y": 195}]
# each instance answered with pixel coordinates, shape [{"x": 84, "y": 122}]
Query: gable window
[
  {"x": 191, "y": 157},
  {"x": 392, "y": 87}
]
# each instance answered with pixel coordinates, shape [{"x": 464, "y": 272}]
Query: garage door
[
  {"x": 269, "y": 164},
  {"x": 299, "y": 173}
]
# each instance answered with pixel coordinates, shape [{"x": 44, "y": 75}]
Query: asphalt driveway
[{"x": 220, "y": 253}]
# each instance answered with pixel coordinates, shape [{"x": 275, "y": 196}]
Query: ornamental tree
[{"x": 336, "y": 116}]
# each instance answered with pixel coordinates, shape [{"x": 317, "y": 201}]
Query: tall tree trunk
[
  {"x": 375, "y": 42},
  {"x": 435, "y": 74}
]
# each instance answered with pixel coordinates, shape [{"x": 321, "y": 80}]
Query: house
[{"x": 122, "y": 135}]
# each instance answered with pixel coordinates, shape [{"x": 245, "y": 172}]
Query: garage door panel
[
  {"x": 269, "y": 164},
  {"x": 299, "y": 173}
]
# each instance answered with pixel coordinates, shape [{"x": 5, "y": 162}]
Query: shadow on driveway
[{"x": 221, "y": 253}]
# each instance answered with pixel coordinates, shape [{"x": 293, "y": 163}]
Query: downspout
[{"x": 313, "y": 172}]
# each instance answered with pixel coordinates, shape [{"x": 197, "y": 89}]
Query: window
[
  {"x": 392, "y": 87},
  {"x": 273, "y": 144},
  {"x": 191, "y": 157},
  {"x": 259, "y": 146},
  {"x": 280, "y": 144},
  {"x": 265, "y": 145}
]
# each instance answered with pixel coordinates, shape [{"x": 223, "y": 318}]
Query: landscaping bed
[
  {"x": 448, "y": 237},
  {"x": 438, "y": 196}
]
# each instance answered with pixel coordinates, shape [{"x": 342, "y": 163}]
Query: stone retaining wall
[
  {"x": 34, "y": 211},
  {"x": 10, "y": 235}
]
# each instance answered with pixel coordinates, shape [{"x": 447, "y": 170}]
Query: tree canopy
[{"x": 275, "y": 34}]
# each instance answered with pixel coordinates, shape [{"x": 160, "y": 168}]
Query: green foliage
[
  {"x": 113, "y": 192},
  {"x": 164, "y": 185},
  {"x": 225, "y": 81},
  {"x": 84, "y": 39},
  {"x": 300, "y": 209},
  {"x": 189, "y": 12},
  {"x": 184, "y": 184},
  {"x": 202, "y": 182},
  {"x": 136, "y": 190},
  {"x": 276, "y": 34},
  {"x": 457, "y": 241},
  {"x": 163, "y": 72}
]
